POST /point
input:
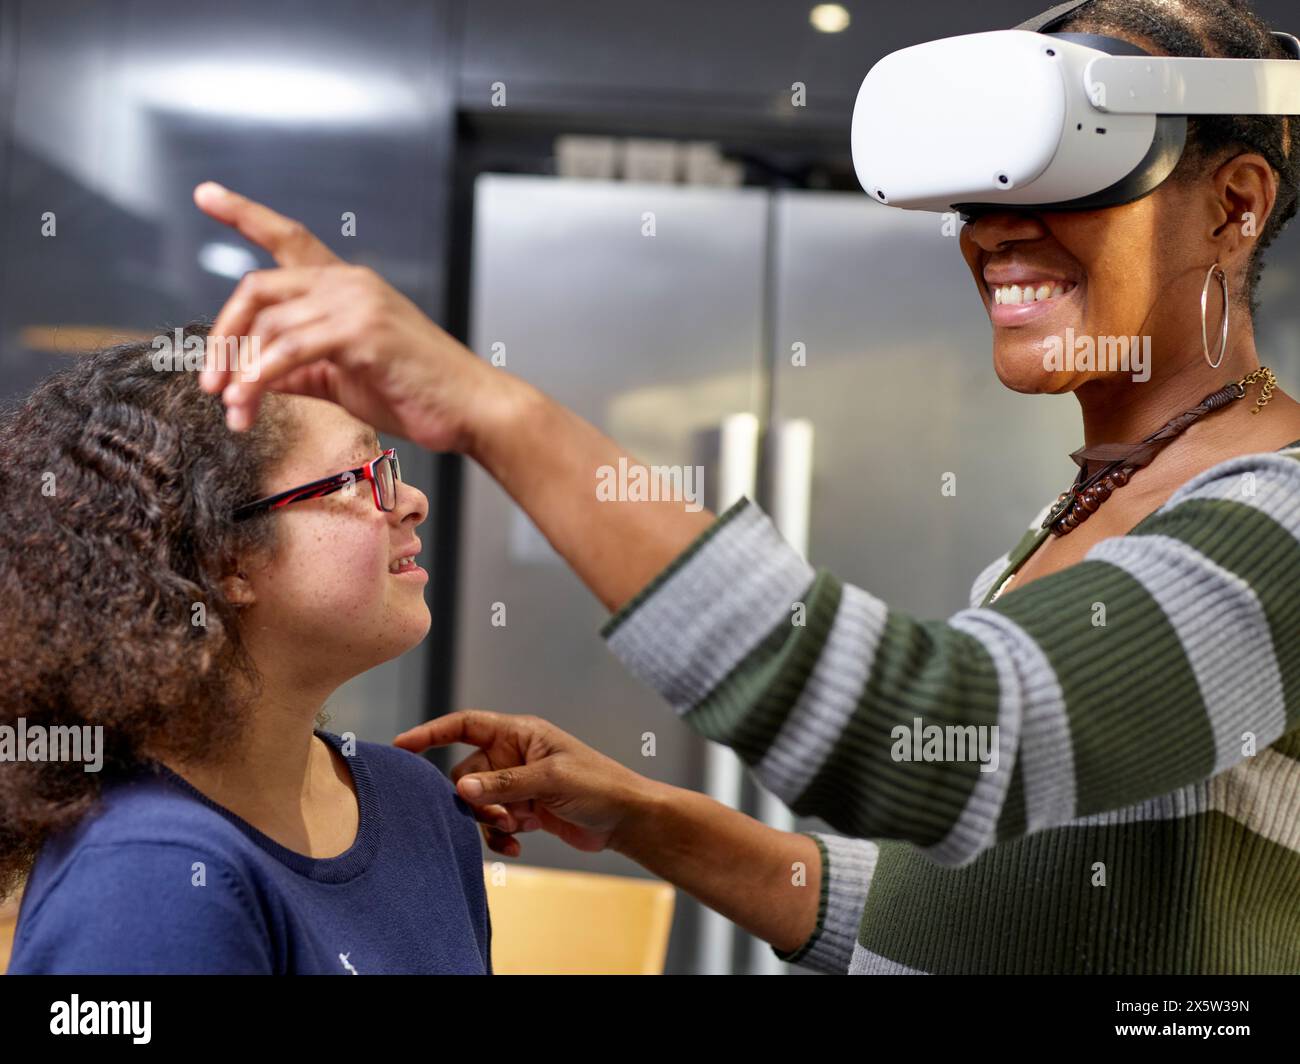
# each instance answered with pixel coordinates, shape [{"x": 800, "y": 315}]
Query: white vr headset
[{"x": 1034, "y": 119}]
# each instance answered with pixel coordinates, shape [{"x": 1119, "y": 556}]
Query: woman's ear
[{"x": 1246, "y": 189}]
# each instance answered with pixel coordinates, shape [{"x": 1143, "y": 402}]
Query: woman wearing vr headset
[
  {"x": 1140, "y": 665},
  {"x": 1133, "y": 659}
]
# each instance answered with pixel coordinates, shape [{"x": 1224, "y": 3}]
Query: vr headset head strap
[{"x": 1041, "y": 23}]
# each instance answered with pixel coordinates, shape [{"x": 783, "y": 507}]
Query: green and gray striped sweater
[{"x": 1144, "y": 813}]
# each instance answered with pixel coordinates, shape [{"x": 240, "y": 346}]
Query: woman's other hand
[
  {"x": 532, "y": 774},
  {"x": 528, "y": 774}
]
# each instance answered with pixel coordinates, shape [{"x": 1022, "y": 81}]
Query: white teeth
[
  {"x": 402, "y": 564},
  {"x": 1014, "y": 294}
]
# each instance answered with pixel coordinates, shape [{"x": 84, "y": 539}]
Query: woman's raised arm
[{"x": 325, "y": 328}]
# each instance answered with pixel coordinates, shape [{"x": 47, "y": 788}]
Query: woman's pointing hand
[
  {"x": 322, "y": 327},
  {"x": 334, "y": 331},
  {"x": 527, "y": 770}
]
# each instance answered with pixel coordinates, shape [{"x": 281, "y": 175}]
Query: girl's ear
[{"x": 238, "y": 589}]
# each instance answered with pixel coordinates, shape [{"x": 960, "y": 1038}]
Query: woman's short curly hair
[
  {"x": 1213, "y": 28},
  {"x": 115, "y": 535}
]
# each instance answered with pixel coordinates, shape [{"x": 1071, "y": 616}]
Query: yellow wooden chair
[{"x": 550, "y": 922}]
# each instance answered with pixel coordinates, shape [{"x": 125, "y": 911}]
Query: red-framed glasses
[{"x": 384, "y": 474}]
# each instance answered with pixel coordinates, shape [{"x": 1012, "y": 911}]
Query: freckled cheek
[{"x": 341, "y": 570}]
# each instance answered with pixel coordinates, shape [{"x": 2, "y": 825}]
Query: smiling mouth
[{"x": 1036, "y": 291}]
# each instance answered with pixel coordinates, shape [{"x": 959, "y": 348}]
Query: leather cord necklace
[{"x": 1122, "y": 460}]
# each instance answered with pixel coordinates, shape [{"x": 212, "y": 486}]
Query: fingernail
[
  {"x": 473, "y": 788},
  {"x": 211, "y": 188}
]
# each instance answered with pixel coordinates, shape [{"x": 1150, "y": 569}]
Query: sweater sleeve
[
  {"x": 847, "y": 867},
  {"x": 142, "y": 908},
  {"x": 1164, "y": 657}
]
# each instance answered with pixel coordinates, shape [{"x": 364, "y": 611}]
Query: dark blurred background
[{"x": 515, "y": 221}]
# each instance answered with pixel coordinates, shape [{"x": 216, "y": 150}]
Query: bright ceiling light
[
  {"x": 829, "y": 18},
  {"x": 275, "y": 92}
]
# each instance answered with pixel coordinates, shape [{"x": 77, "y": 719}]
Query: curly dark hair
[
  {"x": 1213, "y": 28},
  {"x": 119, "y": 482}
]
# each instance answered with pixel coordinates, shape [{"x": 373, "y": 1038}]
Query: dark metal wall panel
[{"x": 120, "y": 108}]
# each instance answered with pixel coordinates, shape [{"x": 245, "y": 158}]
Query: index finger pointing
[
  {"x": 290, "y": 242},
  {"x": 473, "y": 726}
]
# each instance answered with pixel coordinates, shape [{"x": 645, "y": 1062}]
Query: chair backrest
[{"x": 549, "y": 922}]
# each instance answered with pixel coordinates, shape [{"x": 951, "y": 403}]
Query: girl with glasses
[{"x": 194, "y": 597}]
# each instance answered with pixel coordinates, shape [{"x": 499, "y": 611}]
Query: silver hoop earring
[{"x": 1223, "y": 339}]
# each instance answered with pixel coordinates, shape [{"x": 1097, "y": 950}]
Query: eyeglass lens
[{"x": 387, "y": 473}]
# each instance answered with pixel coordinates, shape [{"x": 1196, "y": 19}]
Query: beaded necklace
[{"x": 1122, "y": 460}]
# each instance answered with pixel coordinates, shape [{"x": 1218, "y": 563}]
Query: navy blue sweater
[{"x": 161, "y": 879}]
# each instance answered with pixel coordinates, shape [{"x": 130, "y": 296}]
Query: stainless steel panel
[
  {"x": 656, "y": 339},
  {"x": 900, "y": 387}
]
